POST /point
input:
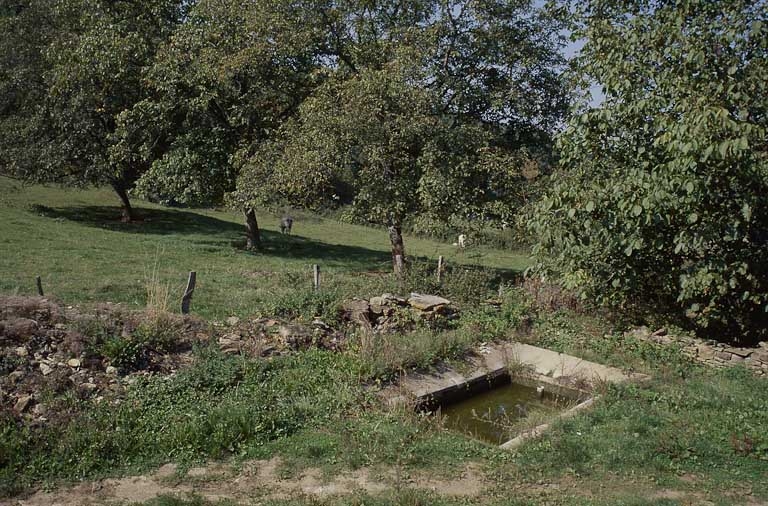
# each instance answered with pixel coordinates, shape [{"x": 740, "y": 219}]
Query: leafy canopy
[
  {"x": 431, "y": 109},
  {"x": 664, "y": 192}
]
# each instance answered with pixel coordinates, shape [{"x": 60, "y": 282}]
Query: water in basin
[{"x": 497, "y": 415}]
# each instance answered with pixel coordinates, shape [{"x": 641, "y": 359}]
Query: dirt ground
[
  {"x": 256, "y": 482},
  {"x": 253, "y": 482}
]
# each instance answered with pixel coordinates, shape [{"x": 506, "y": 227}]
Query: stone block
[
  {"x": 723, "y": 355},
  {"x": 427, "y": 302},
  {"x": 705, "y": 352},
  {"x": 741, "y": 352}
]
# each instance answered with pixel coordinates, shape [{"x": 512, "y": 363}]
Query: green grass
[
  {"x": 689, "y": 429},
  {"x": 74, "y": 241}
]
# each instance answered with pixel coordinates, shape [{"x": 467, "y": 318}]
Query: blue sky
[{"x": 595, "y": 90}]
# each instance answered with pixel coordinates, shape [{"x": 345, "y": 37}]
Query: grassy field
[
  {"x": 690, "y": 435},
  {"x": 74, "y": 241}
]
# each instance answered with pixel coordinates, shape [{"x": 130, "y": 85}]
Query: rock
[
  {"x": 722, "y": 355},
  {"x": 40, "y": 410},
  {"x": 705, "y": 352},
  {"x": 232, "y": 321},
  {"x": 358, "y": 310},
  {"x": 357, "y": 306},
  {"x": 268, "y": 351},
  {"x": 386, "y": 303},
  {"x": 426, "y": 302},
  {"x": 15, "y": 376},
  {"x": 742, "y": 352},
  {"x": 60, "y": 326},
  {"x": 394, "y": 299},
  {"x": 737, "y": 358},
  {"x": 22, "y": 403},
  {"x": 88, "y": 387},
  {"x": 21, "y": 351},
  {"x": 661, "y": 332},
  {"x": 378, "y": 301},
  {"x": 73, "y": 362},
  {"x": 45, "y": 369},
  {"x": 111, "y": 370},
  {"x": 228, "y": 340},
  {"x": 321, "y": 325},
  {"x": 166, "y": 471},
  {"x": 642, "y": 333},
  {"x": 295, "y": 336}
]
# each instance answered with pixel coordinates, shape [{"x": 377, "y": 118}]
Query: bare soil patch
[{"x": 255, "y": 479}]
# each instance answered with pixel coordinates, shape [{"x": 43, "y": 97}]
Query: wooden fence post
[
  {"x": 39, "y": 283},
  {"x": 186, "y": 299},
  {"x": 440, "y": 264},
  {"x": 316, "y": 276}
]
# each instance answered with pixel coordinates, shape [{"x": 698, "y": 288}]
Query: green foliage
[
  {"x": 221, "y": 405},
  {"x": 93, "y": 54},
  {"x": 664, "y": 194},
  {"x": 154, "y": 334},
  {"x": 219, "y": 90},
  {"x": 306, "y": 303},
  {"x": 431, "y": 110},
  {"x": 491, "y": 323}
]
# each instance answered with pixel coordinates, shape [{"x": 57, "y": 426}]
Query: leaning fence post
[
  {"x": 186, "y": 299},
  {"x": 39, "y": 283},
  {"x": 440, "y": 262},
  {"x": 316, "y": 276}
]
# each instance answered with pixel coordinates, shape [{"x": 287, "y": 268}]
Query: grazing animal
[
  {"x": 286, "y": 222},
  {"x": 462, "y": 241}
]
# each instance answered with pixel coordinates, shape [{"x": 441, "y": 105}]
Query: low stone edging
[{"x": 710, "y": 353}]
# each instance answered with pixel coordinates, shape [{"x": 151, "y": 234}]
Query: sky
[{"x": 571, "y": 50}]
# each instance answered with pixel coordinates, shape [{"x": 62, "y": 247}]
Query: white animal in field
[{"x": 462, "y": 241}]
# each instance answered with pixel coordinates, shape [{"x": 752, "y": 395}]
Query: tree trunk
[
  {"x": 122, "y": 192},
  {"x": 252, "y": 233},
  {"x": 396, "y": 239}
]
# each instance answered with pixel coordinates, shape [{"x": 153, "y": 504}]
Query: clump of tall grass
[{"x": 158, "y": 293}]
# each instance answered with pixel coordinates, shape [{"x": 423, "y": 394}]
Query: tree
[
  {"x": 423, "y": 112},
  {"x": 91, "y": 62},
  {"x": 664, "y": 191},
  {"x": 24, "y": 33},
  {"x": 222, "y": 85}
]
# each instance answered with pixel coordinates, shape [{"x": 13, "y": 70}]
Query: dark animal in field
[{"x": 286, "y": 223}]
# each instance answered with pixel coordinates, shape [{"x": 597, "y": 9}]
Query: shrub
[
  {"x": 667, "y": 192},
  {"x": 159, "y": 333}
]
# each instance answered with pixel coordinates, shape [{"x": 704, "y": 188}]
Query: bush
[
  {"x": 666, "y": 198},
  {"x": 160, "y": 333}
]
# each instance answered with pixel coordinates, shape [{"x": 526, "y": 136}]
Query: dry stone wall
[{"x": 711, "y": 353}]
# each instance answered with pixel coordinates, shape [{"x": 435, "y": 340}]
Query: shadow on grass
[
  {"x": 149, "y": 221},
  {"x": 222, "y": 234}
]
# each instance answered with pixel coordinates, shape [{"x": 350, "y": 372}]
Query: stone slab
[{"x": 496, "y": 359}]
